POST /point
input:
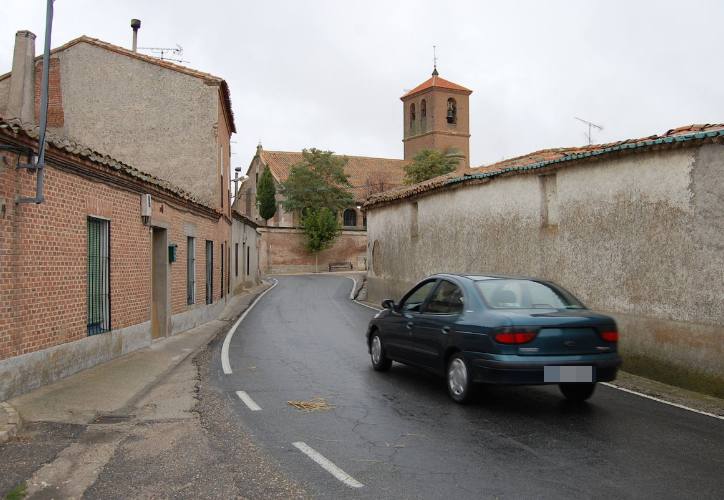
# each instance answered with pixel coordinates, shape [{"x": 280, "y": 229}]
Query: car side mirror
[{"x": 388, "y": 304}]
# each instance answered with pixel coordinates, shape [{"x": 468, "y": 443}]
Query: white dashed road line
[
  {"x": 327, "y": 465},
  {"x": 250, "y": 403},
  {"x": 225, "y": 365}
]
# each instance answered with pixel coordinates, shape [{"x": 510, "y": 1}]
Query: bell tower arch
[{"x": 436, "y": 116}]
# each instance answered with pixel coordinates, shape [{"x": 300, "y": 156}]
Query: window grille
[
  {"x": 190, "y": 270},
  {"x": 209, "y": 272},
  {"x": 98, "y": 279}
]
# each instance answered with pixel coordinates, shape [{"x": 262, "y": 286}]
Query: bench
[{"x": 339, "y": 266}]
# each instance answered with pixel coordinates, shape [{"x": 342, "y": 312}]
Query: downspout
[{"x": 39, "y": 164}]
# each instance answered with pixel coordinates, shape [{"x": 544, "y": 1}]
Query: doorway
[{"x": 159, "y": 284}]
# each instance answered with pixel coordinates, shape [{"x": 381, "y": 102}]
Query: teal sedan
[{"x": 476, "y": 329}]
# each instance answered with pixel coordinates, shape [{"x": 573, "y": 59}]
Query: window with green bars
[{"x": 98, "y": 279}]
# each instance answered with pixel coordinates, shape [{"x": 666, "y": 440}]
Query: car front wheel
[
  {"x": 577, "y": 391},
  {"x": 459, "y": 381},
  {"x": 380, "y": 361}
]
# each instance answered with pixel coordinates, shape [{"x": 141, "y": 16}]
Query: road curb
[{"x": 13, "y": 422}]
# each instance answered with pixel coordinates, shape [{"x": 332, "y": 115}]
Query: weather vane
[{"x": 434, "y": 60}]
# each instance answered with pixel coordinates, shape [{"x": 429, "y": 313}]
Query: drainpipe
[
  {"x": 136, "y": 25},
  {"x": 39, "y": 164}
]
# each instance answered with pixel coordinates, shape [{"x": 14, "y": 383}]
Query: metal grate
[
  {"x": 209, "y": 272},
  {"x": 99, "y": 297},
  {"x": 190, "y": 271}
]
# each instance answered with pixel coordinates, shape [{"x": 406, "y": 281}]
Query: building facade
[
  {"x": 282, "y": 246},
  {"x": 245, "y": 242},
  {"x": 85, "y": 275},
  {"x": 634, "y": 229}
]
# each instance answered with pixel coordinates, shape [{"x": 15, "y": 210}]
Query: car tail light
[
  {"x": 610, "y": 335},
  {"x": 514, "y": 337}
]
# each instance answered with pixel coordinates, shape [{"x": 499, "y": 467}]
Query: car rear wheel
[
  {"x": 577, "y": 391},
  {"x": 459, "y": 381},
  {"x": 380, "y": 361}
]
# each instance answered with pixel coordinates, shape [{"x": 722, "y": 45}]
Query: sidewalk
[{"x": 113, "y": 387}]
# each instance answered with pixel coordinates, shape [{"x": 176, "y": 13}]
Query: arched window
[
  {"x": 452, "y": 111},
  {"x": 412, "y": 115},
  {"x": 350, "y": 217},
  {"x": 423, "y": 109}
]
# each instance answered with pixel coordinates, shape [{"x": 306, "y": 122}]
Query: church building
[{"x": 435, "y": 116}]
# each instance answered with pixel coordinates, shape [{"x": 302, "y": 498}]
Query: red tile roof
[
  {"x": 367, "y": 175},
  {"x": 436, "y": 82},
  {"x": 548, "y": 158},
  {"x": 152, "y": 60}
]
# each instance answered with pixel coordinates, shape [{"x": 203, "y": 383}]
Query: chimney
[
  {"x": 136, "y": 25},
  {"x": 21, "y": 98}
]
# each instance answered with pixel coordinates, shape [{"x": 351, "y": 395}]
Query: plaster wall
[
  {"x": 161, "y": 121},
  {"x": 248, "y": 239},
  {"x": 639, "y": 236},
  {"x": 4, "y": 91}
]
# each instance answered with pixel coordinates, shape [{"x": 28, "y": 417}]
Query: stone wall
[{"x": 639, "y": 236}]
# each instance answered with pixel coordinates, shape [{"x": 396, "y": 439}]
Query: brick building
[
  {"x": 84, "y": 277},
  {"x": 435, "y": 116}
]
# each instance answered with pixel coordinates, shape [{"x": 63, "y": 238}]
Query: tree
[
  {"x": 430, "y": 163},
  {"x": 318, "y": 181},
  {"x": 321, "y": 228},
  {"x": 266, "y": 195}
]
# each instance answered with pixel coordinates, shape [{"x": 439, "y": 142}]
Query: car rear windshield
[{"x": 524, "y": 294}]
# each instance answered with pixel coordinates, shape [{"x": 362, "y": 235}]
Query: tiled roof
[
  {"x": 549, "y": 158},
  {"x": 152, "y": 60},
  {"x": 437, "y": 82},
  {"x": 15, "y": 127},
  {"x": 367, "y": 175}
]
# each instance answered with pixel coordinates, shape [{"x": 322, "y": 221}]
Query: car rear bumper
[{"x": 511, "y": 369}]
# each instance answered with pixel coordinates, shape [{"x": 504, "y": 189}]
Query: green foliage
[
  {"x": 320, "y": 227},
  {"x": 318, "y": 181},
  {"x": 18, "y": 493},
  {"x": 430, "y": 163},
  {"x": 266, "y": 195}
]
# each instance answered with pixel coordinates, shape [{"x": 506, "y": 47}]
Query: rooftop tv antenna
[
  {"x": 163, "y": 53},
  {"x": 591, "y": 125}
]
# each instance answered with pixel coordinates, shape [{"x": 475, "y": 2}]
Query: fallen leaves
[{"x": 316, "y": 404}]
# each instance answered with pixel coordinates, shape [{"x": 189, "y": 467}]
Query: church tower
[{"x": 435, "y": 116}]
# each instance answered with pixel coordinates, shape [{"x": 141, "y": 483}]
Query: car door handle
[
  {"x": 445, "y": 330},
  {"x": 409, "y": 325}
]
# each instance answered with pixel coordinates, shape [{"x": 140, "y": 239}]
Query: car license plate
[{"x": 560, "y": 374}]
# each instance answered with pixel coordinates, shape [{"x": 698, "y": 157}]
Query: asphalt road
[{"x": 400, "y": 436}]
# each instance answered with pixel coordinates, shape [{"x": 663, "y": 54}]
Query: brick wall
[
  {"x": 43, "y": 257},
  {"x": 55, "y": 98},
  {"x": 282, "y": 250}
]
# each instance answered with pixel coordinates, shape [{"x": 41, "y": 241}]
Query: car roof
[{"x": 484, "y": 277}]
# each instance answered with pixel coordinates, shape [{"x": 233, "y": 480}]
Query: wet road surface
[{"x": 400, "y": 436}]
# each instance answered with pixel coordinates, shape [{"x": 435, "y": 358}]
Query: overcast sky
[{"x": 329, "y": 74}]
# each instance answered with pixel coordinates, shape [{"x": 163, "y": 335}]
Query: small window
[
  {"x": 248, "y": 259},
  {"x": 414, "y": 300},
  {"x": 447, "y": 299},
  {"x": 452, "y": 111},
  {"x": 190, "y": 270},
  {"x": 98, "y": 277},
  {"x": 423, "y": 109},
  {"x": 412, "y": 115},
  {"x": 350, "y": 217}
]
